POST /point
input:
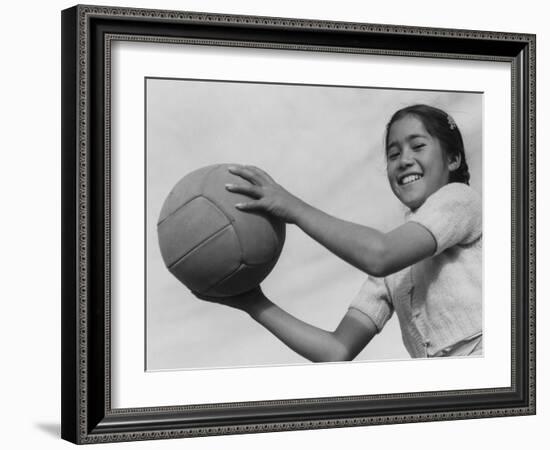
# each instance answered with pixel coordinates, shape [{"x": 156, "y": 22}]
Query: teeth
[{"x": 410, "y": 178}]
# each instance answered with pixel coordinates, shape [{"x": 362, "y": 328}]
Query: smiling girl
[{"x": 427, "y": 271}]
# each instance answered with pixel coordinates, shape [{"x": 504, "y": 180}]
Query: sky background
[{"x": 323, "y": 144}]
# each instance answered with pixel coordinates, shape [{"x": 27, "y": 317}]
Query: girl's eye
[
  {"x": 393, "y": 155},
  {"x": 418, "y": 146}
]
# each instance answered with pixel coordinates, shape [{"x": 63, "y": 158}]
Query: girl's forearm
[
  {"x": 311, "y": 342},
  {"x": 361, "y": 246}
]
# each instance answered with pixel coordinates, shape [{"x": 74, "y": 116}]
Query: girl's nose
[{"x": 405, "y": 158}]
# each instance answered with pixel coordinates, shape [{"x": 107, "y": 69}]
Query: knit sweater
[{"x": 438, "y": 300}]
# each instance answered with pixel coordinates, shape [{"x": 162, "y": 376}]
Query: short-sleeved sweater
[{"x": 438, "y": 300}]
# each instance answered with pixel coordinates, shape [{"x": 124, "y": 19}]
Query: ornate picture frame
[{"x": 88, "y": 411}]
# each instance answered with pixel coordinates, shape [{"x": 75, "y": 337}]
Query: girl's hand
[
  {"x": 243, "y": 301},
  {"x": 266, "y": 195}
]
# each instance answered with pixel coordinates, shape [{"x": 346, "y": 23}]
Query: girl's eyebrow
[
  {"x": 390, "y": 145},
  {"x": 410, "y": 137}
]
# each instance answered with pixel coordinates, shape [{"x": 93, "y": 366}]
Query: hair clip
[{"x": 452, "y": 123}]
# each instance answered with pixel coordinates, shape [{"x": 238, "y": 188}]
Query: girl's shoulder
[
  {"x": 455, "y": 198},
  {"x": 455, "y": 192},
  {"x": 452, "y": 214}
]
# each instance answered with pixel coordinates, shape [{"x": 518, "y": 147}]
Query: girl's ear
[{"x": 454, "y": 162}]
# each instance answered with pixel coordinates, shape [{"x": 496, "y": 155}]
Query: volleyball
[{"x": 208, "y": 244}]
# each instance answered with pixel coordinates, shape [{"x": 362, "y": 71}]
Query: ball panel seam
[
  {"x": 179, "y": 208},
  {"x": 227, "y": 277},
  {"x": 199, "y": 245},
  {"x": 231, "y": 222},
  {"x": 279, "y": 243},
  {"x": 206, "y": 256},
  {"x": 201, "y": 190},
  {"x": 175, "y": 244}
]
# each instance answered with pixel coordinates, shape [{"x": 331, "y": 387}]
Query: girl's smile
[
  {"x": 409, "y": 178},
  {"x": 417, "y": 165}
]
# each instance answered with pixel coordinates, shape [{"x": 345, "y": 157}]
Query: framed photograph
[{"x": 278, "y": 224}]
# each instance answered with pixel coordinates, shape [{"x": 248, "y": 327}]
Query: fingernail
[
  {"x": 230, "y": 168},
  {"x": 239, "y": 205},
  {"x": 229, "y": 185}
]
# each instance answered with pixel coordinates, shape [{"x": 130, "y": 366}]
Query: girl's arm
[
  {"x": 371, "y": 251},
  {"x": 343, "y": 344},
  {"x": 376, "y": 253}
]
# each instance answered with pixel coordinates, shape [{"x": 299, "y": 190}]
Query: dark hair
[{"x": 443, "y": 127}]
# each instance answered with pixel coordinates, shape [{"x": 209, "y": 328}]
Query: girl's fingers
[
  {"x": 245, "y": 173},
  {"x": 250, "y": 190},
  {"x": 249, "y": 206},
  {"x": 251, "y": 173},
  {"x": 261, "y": 174}
]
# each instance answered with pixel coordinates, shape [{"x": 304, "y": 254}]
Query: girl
[{"x": 427, "y": 270}]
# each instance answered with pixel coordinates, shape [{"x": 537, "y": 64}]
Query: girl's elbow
[
  {"x": 336, "y": 353},
  {"x": 377, "y": 270},
  {"x": 341, "y": 356},
  {"x": 377, "y": 263},
  {"x": 345, "y": 356}
]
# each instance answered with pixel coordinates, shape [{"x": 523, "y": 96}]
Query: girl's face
[{"x": 417, "y": 165}]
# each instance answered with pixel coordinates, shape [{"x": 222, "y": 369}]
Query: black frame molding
[{"x": 87, "y": 33}]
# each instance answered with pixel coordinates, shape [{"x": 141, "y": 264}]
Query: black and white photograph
[
  {"x": 295, "y": 223},
  {"x": 275, "y": 224}
]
